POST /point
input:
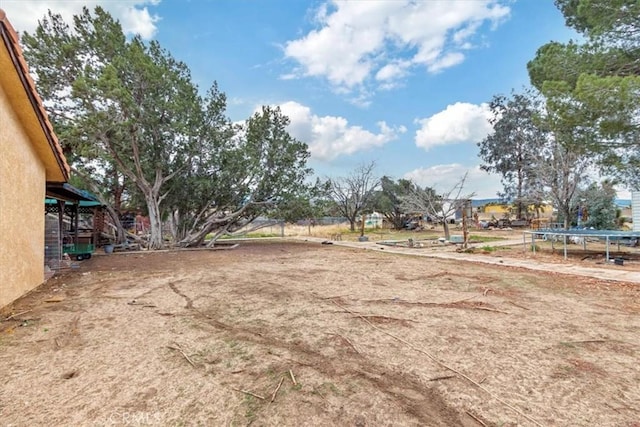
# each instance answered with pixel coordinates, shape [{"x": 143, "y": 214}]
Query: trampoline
[{"x": 582, "y": 236}]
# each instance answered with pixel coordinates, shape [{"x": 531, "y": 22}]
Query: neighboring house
[
  {"x": 374, "y": 220},
  {"x": 499, "y": 210},
  {"x": 32, "y": 165}
]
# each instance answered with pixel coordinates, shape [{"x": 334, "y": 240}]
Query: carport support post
[
  {"x": 61, "y": 204},
  {"x": 76, "y": 223},
  {"x": 607, "y": 248},
  {"x": 565, "y": 246}
]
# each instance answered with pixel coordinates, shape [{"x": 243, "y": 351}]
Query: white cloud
[
  {"x": 393, "y": 70},
  {"x": 331, "y": 136},
  {"x": 139, "y": 21},
  {"x": 132, "y": 14},
  {"x": 358, "y": 40},
  {"x": 444, "y": 177},
  {"x": 460, "y": 122},
  {"x": 447, "y": 61}
]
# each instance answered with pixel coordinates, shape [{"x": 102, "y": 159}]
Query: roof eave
[{"x": 11, "y": 41}]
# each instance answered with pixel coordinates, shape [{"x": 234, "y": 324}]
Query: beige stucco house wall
[{"x": 30, "y": 157}]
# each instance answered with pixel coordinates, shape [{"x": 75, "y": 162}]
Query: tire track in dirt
[
  {"x": 464, "y": 305},
  {"x": 408, "y": 392},
  {"x": 189, "y": 301}
]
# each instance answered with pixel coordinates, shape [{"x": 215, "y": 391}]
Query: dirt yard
[{"x": 306, "y": 334}]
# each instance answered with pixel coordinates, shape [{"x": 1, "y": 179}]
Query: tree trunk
[
  {"x": 195, "y": 239},
  {"x": 519, "y": 195},
  {"x": 117, "y": 197},
  {"x": 173, "y": 225},
  {"x": 115, "y": 218},
  {"x": 352, "y": 224},
  {"x": 155, "y": 221},
  {"x": 465, "y": 229},
  {"x": 445, "y": 225}
]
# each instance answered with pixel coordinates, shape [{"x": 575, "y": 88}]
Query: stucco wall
[{"x": 22, "y": 193}]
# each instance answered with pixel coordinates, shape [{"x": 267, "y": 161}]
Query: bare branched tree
[
  {"x": 353, "y": 194},
  {"x": 440, "y": 207},
  {"x": 563, "y": 173}
]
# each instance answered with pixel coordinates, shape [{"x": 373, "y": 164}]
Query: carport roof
[{"x": 69, "y": 193}]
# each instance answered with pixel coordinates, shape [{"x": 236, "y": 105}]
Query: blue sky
[{"x": 402, "y": 83}]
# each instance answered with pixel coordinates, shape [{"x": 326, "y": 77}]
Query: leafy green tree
[
  {"x": 260, "y": 168},
  {"x": 309, "y": 204},
  {"x": 388, "y": 200},
  {"x": 513, "y": 148},
  {"x": 611, "y": 21},
  {"x": 119, "y": 104},
  {"x": 59, "y": 56},
  {"x": 132, "y": 117},
  {"x": 596, "y": 85},
  {"x": 598, "y": 203}
]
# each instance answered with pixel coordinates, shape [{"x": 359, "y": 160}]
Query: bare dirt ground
[
  {"x": 502, "y": 243},
  {"x": 277, "y": 333}
]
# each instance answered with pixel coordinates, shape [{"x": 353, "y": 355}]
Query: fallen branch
[
  {"x": 455, "y": 304},
  {"x": 249, "y": 393},
  {"x": 459, "y": 301},
  {"x": 489, "y": 309},
  {"x": 319, "y": 394},
  {"x": 345, "y": 339},
  {"x": 518, "y": 305},
  {"x": 299, "y": 362},
  {"x": 376, "y": 316},
  {"x": 583, "y": 342},
  {"x": 335, "y": 311},
  {"x": 337, "y": 296},
  {"x": 380, "y": 300},
  {"x": 17, "y": 314},
  {"x": 210, "y": 248},
  {"x": 478, "y": 420},
  {"x": 179, "y": 349},
  {"x": 443, "y": 377},
  {"x": 143, "y": 304},
  {"x": 273, "y": 396},
  {"x": 293, "y": 379},
  {"x": 444, "y": 365}
]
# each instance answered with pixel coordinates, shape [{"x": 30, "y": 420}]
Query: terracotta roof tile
[{"x": 23, "y": 69}]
